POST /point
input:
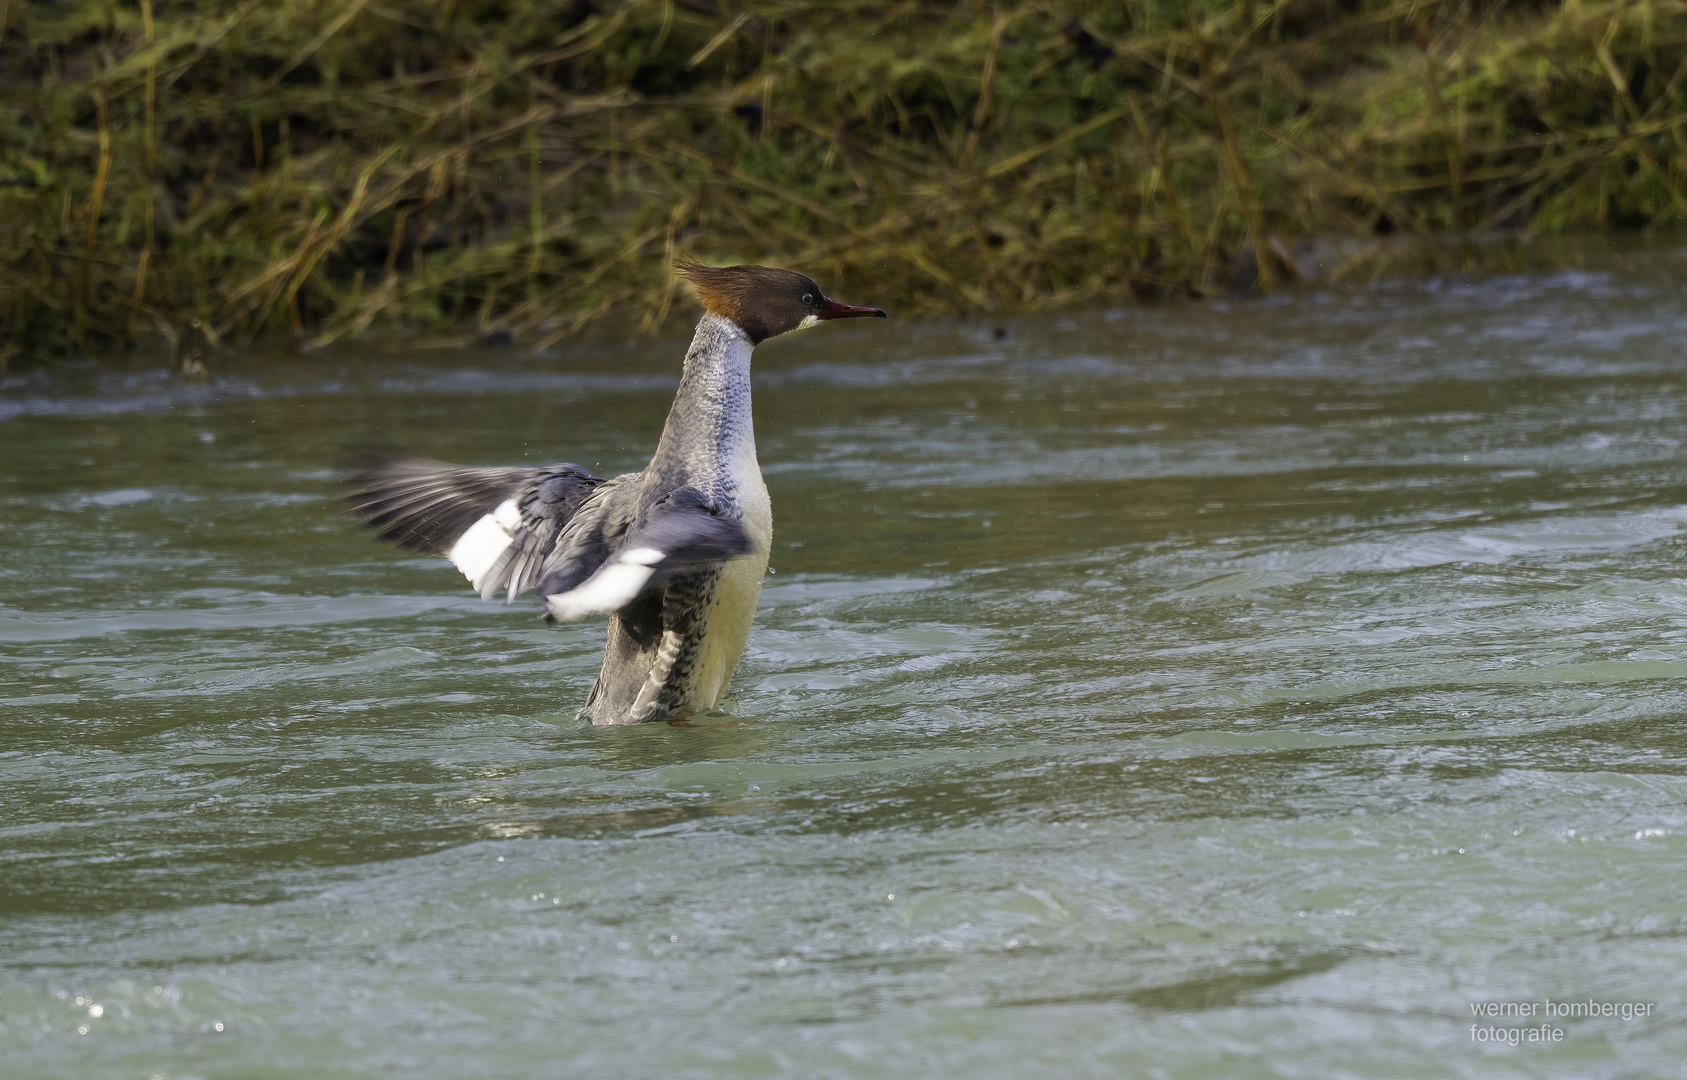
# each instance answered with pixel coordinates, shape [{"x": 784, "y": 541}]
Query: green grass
[{"x": 231, "y": 171}]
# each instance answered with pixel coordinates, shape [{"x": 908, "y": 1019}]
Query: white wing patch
[
  {"x": 478, "y": 549},
  {"x": 610, "y": 589},
  {"x": 644, "y": 556}
]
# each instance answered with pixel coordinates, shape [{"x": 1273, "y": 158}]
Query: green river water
[{"x": 1244, "y": 689}]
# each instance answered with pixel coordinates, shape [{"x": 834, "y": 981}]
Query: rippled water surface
[{"x": 1220, "y": 690}]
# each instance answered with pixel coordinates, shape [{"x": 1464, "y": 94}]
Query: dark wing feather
[
  {"x": 681, "y": 532},
  {"x": 691, "y": 531},
  {"x": 550, "y": 508},
  {"x": 425, "y": 506},
  {"x": 598, "y": 529},
  {"x": 501, "y": 527}
]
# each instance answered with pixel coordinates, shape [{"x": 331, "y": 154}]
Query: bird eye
[{"x": 808, "y": 298}]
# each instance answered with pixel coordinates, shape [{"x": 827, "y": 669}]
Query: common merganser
[{"x": 673, "y": 554}]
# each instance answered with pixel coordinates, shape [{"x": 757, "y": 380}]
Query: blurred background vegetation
[{"x": 230, "y": 170}]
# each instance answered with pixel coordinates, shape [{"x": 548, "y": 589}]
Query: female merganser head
[
  {"x": 673, "y": 554},
  {"x": 765, "y": 301}
]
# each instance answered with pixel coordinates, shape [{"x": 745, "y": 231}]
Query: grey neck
[{"x": 709, "y": 428}]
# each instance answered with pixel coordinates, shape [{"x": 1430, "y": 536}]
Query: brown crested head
[{"x": 765, "y": 301}]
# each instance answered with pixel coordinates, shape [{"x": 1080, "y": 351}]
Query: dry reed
[{"x": 315, "y": 168}]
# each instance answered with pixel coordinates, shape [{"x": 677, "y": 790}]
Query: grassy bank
[{"x": 234, "y": 169}]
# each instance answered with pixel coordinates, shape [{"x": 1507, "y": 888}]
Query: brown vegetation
[{"x": 239, "y": 169}]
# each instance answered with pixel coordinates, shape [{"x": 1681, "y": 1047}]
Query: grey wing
[
  {"x": 682, "y": 531},
  {"x": 425, "y": 506},
  {"x": 500, "y": 527}
]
